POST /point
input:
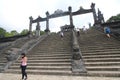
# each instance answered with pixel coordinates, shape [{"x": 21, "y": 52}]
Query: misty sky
[{"x": 14, "y": 14}]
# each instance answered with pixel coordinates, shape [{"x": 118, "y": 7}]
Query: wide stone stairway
[
  {"x": 101, "y": 55},
  {"x": 51, "y": 56}
]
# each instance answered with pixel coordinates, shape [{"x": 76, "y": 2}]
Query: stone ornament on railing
[{"x": 58, "y": 11}]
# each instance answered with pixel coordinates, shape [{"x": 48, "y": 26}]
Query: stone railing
[
  {"x": 77, "y": 61},
  {"x": 4, "y": 46},
  {"x": 14, "y": 53}
]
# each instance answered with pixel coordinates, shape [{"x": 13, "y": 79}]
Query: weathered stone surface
[
  {"x": 78, "y": 66},
  {"x": 76, "y": 56},
  {"x": 77, "y": 62},
  {"x": 12, "y": 54}
]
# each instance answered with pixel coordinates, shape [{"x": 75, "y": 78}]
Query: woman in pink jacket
[{"x": 24, "y": 66}]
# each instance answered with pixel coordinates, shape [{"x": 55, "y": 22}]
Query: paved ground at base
[{"x": 4, "y": 76}]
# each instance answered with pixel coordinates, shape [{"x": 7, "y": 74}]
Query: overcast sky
[{"x": 14, "y": 14}]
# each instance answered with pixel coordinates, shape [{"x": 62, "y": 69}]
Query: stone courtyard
[{"x": 5, "y": 76}]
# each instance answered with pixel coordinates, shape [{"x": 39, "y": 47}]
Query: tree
[
  {"x": 7, "y": 34},
  {"x": 114, "y": 18},
  {"x": 25, "y": 31},
  {"x": 14, "y": 32},
  {"x": 41, "y": 32},
  {"x": 2, "y": 32}
]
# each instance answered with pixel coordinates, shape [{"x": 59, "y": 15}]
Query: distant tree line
[{"x": 4, "y": 33}]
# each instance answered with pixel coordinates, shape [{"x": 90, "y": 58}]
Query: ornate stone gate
[{"x": 60, "y": 13}]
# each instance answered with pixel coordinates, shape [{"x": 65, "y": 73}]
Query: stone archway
[{"x": 60, "y": 13}]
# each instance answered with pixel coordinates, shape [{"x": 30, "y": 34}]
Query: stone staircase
[
  {"x": 100, "y": 54},
  {"x": 51, "y": 56}
]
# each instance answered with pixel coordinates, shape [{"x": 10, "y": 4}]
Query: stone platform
[{"x": 5, "y": 76}]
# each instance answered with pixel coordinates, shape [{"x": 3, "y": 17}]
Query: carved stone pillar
[
  {"x": 38, "y": 29},
  {"x": 100, "y": 17},
  {"x": 30, "y": 25},
  {"x": 94, "y": 12},
  {"x": 71, "y": 19},
  {"x": 47, "y": 22}
]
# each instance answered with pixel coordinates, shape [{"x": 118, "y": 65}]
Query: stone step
[
  {"x": 41, "y": 49},
  {"x": 44, "y": 67},
  {"x": 102, "y": 53},
  {"x": 98, "y": 50},
  {"x": 49, "y": 58},
  {"x": 3, "y": 61},
  {"x": 106, "y": 51},
  {"x": 103, "y": 68},
  {"x": 49, "y": 55},
  {"x": 102, "y": 60},
  {"x": 58, "y": 42},
  {"x": 46, "y": 64},
  {"x": 102, "y": 56},
  {"x": 47, "y": 72},
  {"x": 98, "y": 47},
  {"x": 49, "y": 61},
  {"x": 2, "y": 64},
  {"x": 50, "y": 52},
  {"x": 56, "y": 50},
  {"x": 102, "y": 63},
  {"x": 53, "y": 47},
  {"x": 47, "y": 51},
  {"x": 100, "y": 44},
  {"x": 104, "y": 73}
]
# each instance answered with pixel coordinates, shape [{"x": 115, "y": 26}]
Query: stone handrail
[
  {"x": 77, "y": 61},
  {"x": 76, "y": 48},
  {"x": 15, "y": 53}
]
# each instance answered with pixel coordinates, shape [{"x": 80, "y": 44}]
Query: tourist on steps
[
  {"x": 78, "y": 32},
  {"x": 107, "y": 31},
  {"x": 23, "y": 66},
  {"x": 61, "y": 34}
]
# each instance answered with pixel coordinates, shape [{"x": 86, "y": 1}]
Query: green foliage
[
  {"x": 114, "y": 18},
  {"x": 42, "y": 32},
  {"x": 24, "y": 31},
  {"x": 7, "y": 34},
  {"x": 14, "y": 32},
  {"x": 2, "y": 32}
]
